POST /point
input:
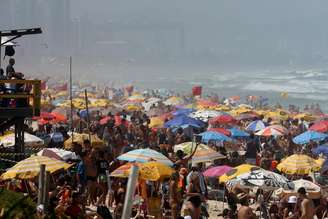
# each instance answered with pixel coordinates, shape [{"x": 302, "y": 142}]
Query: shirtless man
[{"x": 307, "y": 206}]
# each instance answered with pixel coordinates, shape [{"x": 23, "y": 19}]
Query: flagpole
[
  {"x": 88, "y": 115},
  {"x": 71, "y": 94}
]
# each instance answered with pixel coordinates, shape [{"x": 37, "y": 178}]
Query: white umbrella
[
  {"x": 205, "y": 115},
  {"x": 58, "y": 154},
  {"x": 29, "y": 140}
]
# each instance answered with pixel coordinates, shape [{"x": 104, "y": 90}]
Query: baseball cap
[{"x": 292, "y": 199}]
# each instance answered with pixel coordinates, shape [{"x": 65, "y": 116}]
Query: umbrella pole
[
  {"x": 41, "y": 184},
  {"x": 133, "y": 177},
  {"x": 88, "y": 115}
]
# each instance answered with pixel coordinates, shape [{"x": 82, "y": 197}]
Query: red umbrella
[
  {"x": 222, "y": 119},
  {"x": 45, "y": 116},
  {"x": 58, "y": 117},
  {"x": 220, "y": 130},
  {"x": 321, "y": 126}
]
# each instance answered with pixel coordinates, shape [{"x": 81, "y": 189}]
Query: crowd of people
[{"x": 87, "y": 186}]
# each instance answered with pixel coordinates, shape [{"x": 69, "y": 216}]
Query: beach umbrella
[
  {"x": 149, "y": 103},
  {"x": 247, "y": 116},
  {"x": 241, "y": 111},
  {"x": 183, "y": 120},
  {"x": 237, "y": 133},
  {"x": 216, "y": 171},
  {"x": 8, "y": 140},
  {"x": 145, "y": 155},
  {"x": 79, "y": 138},
  {"x": 136, "y": 98},
  {"x": 322, "y": 149},
  {"x": 321, "y": 126},
  {"x": 222, "y": 119},
  {"x": 156, "y": 122},
  {"x": 309, "y": 136},
  {"x": 255, "y": 126},
  {"x": 205, "y": 115},
  {"x": 263, "y": 179},
  {"x": 152, "y": 171},
  {"x": 214, "y": 136},
  {"x": 58, "y": 154},
  {"x": 236, "y": 171},
  {"x": 298, "y": 164},
  {"x": 220, "y": 130},
  {"x": 202, "y": 103},
  {"x": 188, "y": 147},
  {"x": 313, "y": 190},
  {"x": 30, "y": 167},
  {"x": 269, "y": 131},
  {"x": 306, "y": 117},
  {"x": 174, "y": 101},
  {"x": 100, "y": 103},
  {"x": 206, "y": 155},
  {"x": 182, "y": 112}
]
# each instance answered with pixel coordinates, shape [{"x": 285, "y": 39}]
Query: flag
[
  {"x": 63, "y": 87},
  {"x": 197, "y": 91}
]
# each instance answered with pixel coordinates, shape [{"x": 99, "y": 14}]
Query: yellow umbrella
[
  {"x": 79, "y": 138},
  {"x": 156, "y": 122},
  {"x": 132, "y": 107},
  {"x": 30, "y": 167},
  {"x": 241, "y": 110},
  {"x": 172, "y": 101},
  {"x": 305, "y": 116},
  {"x": 278, "y": 115},
  {"x": 234, "y": 172},
  {"x": 152, "y": 171},
  {"x": 222, "y": 108},
  {"x": 298, "y": 164},
  {"x": 100, "y": 103}
]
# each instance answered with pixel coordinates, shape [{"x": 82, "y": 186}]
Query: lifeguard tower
[{"x": 15, "y": 115}]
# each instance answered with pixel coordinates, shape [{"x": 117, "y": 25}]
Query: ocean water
[{"x": 304, "y": 87}]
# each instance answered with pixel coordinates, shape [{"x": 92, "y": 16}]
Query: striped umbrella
[
  {"x": 269, "y": 131},
  {"x": 298, "y": 164},
  {"x": 206, "y": 155},
  {"x": 255, "y": 126},
  {"x": 145, "y": 155},
  {"x": 30, "y": 167},
  {"x": 188, "y": 147}
]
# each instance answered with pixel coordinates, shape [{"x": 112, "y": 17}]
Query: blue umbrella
[
  {"x": 322, "y": 149},
  {"x": 213, "y": 136},
  {"x": 182, "y": 112},
  {"x": 255, "y": 126},
  {"x": 183, "y": 120},
  {"x": 237, "y": 133},
  {"x": 308, "y": 136}
]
